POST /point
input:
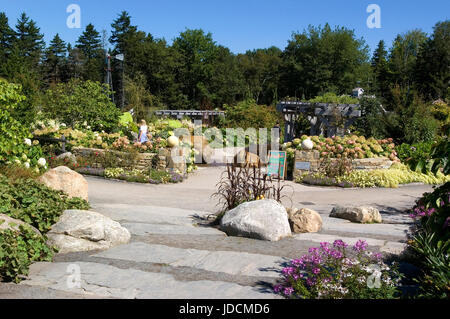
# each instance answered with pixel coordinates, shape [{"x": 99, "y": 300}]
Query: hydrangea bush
[
  {"x": 350, "y": 146},
  {"x": 333, "y": 271}
]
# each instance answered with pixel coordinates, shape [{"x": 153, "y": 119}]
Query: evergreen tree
[
  {"x": 74, "y": 66},
  {"x": 432, "y": 72},
  {"x": 381, "y": 70},
  {"x": 403, "y": 56},
  {"x": 90, "y": 44},
  {"x": 122, "y": 31},
  {"x": 29, "y": 43},
  {"x": 6, "y": 39},
  {"x": 55, "y": 60}
]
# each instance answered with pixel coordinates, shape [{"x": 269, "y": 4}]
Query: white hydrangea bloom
[
  {"x": 28, "y": 141},
  {"x": 42, "y": 162},
  {"x": 27, "y": 165}
]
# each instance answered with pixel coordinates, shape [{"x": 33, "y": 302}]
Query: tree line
[{"x": 195, "y": 72}]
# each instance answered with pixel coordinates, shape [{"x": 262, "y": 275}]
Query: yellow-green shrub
[{"x": 393, "y": 177}]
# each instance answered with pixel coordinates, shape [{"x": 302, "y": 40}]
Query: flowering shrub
[
  {"x": 430, "y": 240},
  {"x": 330, "y": 272},
  {"x": 350, "y": 146},
  {"x": 15, "y": 143},
  {"x": 144, "y": 176}
]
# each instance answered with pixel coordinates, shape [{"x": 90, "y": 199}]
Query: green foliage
[
  {"x": 372, "y": 122},
  {"x": 431, "y": 72},
  {"x": 393, "y": 177},
  {"x": 431, "y": 242},
  {"x": 12, "y": 132},
  {"x": 151, "y": 176},
  {"x": 331, "y": 97},
  {"x": 260, "y": 69},
  {"x": 322, "y": 59},
  {"x": 79, "y": 102},
  {"x": 248, "y": 114},
  {"x": 18, "y": 250},
  {"x": 435, "y": 279},
  {"x": 34, "y": 203}
]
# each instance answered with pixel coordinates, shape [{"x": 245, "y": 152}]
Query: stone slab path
[{"x": 173, "y": 255}]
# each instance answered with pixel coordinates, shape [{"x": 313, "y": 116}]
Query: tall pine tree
[
  {"x": 380, "y": 70},
  {"x": 6, "y": 39},
  {"x": 55, "y": 60},
  {"x": 28, "y": 43},
  {"x": 90, "y": 44}
]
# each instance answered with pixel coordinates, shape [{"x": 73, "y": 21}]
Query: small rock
[
  {"x": 305, "y": 220},
  {"x": 7, "y": 222},
  {"x": 70, "y": 157},
  {"x": 262, "y": 219},
  {"x": 363, "y": 214},
  {"x": 64, "y": 179},
  {"x": 79, "y": 230}
]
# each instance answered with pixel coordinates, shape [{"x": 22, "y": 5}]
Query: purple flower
[
  {"x": 288, "y": 291},
  {"x": 277, "y": 288},
  {"x": 361, "y": 245},
  {"x": 288, "y": 270},
  {"x": 377, "y": 256},
  {"x": 316, "y": 271},
  {"x": 339, "y": 243}
]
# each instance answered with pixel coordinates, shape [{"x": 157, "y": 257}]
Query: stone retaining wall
[
  {"x": 144, "y": 160},
  {"x": 309, "y": 161}
]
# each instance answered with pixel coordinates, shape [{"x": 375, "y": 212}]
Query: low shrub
[
  {"x": 18, "y": 250},
  {"x": 393, "y": 177},
  {"x": 430, "y": 240},
  {"x": 331, "y": 271},
  {"x": 151, "y": 176},
  {"x": 336, "y": 167},
  {"x": 34, "y": 203}
]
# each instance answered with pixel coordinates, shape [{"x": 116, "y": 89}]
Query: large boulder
[
  {"x": 79, "y": 230},
  {"x": 246, "y": 159},
  {"x": 64, "y": 179},
  {"x": 7, "y": 222},
  {"x": 304, "y": 220},
  {"x": 263, "y": 219},
  {"x": 362, "y": 214}
]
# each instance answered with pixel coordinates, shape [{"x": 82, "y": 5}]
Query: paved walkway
[{"x": 171, "y": 255}]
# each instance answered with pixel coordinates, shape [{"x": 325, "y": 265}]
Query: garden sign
[{"x": 277, "y": 164}]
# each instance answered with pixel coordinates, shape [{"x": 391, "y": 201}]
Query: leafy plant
[
  {"x": 34, "y": 203},
  {"x": 336, "y": 167},
  {"x": 18, "y": 250},
  {"x": 82, "y": 103},
  {"x": 430, "y": 240},
  {"x": 12, "y": 132}
]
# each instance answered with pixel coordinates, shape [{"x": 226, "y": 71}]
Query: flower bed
[
  {"x": 331, "y": 271},
  {"x": 350, "y": 146},
  {"x": 393, "y": 177}
]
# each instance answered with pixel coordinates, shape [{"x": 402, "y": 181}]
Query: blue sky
[{"x": 237, "y": 24}]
